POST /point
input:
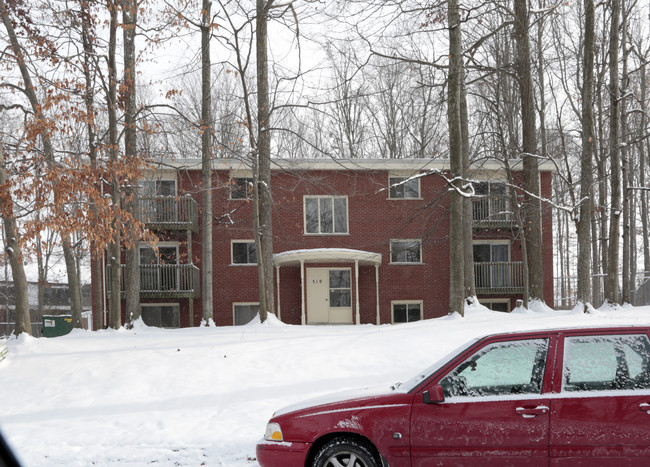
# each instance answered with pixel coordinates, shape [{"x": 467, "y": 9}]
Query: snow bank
[{"x": 202, "y": 396}]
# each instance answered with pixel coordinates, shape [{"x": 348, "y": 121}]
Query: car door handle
[
  {"x": 645, "y": 407},
  {"x": 531, "y": 412}
]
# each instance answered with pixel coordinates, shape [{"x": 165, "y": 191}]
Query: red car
[{"x": 578, "y": 397}]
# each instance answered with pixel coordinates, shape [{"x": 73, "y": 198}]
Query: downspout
[
  {"x": 377, "y": 293},
  {"x": 277, "y": 278},
  {"x": 356, "y": 284},
  {"x": 302, "y": 292}
]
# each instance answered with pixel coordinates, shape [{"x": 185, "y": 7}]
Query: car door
[
  {"x": 493, "y": 412},
  {"x": 602, "y": 415}
]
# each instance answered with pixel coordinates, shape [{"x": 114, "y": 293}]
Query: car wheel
[{"x": 345, "y": 452}]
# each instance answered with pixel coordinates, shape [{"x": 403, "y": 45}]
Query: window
[
  {"x": 161, "y": 316},
  {"x": 404, "y": 188},
  {"x": 243, "y": 252},
  {"x": 515, "y": 367},
  {"x": 241, "y": 188},
  {"x": 340, "y": 288},
  {"x": 158, "y": 271},
  {"x": 245, "y": 312},
  {"x": 406, "y": 312},
  {"x": 406, "y": 251},
  {"x": 326, "y": 215},
  {"x": 598, "y": 363}
]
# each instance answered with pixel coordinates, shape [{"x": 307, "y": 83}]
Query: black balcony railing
[
  {"x": 164, "y": 281},
  {"x": 168, "y": 212},
  {"x": 499, "y": 278},
  {"x": 492, "y": 211}
]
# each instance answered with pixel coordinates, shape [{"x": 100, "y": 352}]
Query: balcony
[
  {"x": 168, "y": 212},
  {"x": 164, "y": 281},
  {"x": 492, "y": 212},
  {"x": 499, "y": 278}
]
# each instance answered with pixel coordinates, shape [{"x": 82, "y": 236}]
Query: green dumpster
[{"x": 56, "y": 325}]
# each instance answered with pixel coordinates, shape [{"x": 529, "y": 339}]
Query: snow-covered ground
[{"x": 202, "y": 396}]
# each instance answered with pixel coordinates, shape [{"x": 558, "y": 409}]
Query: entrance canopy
[{"x": 326, "y": 255}]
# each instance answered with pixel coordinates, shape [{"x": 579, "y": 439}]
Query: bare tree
[
  {"x": 456, "y": 237},
  {"x": 586, "y": 161},
  {"x": 132, "y": 269},
  {"x": 206, "y": 164},
  {"x": 611, "y": 282},
  {"x": 532, "y": 203}
]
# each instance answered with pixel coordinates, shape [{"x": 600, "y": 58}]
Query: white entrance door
[{"x": 320, "y": 282}]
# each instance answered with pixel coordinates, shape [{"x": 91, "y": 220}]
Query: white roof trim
[
  {"x": 410, "y": 165},
  {"x": 326, "y": 255}
]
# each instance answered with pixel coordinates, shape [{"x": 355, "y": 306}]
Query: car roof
[{"x": 594, "y": 329}]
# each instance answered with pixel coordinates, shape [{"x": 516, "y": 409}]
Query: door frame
[{"x": 349, "y": 311}]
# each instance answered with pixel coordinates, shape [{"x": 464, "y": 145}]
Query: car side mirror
[{"x": 433, "y": 395}]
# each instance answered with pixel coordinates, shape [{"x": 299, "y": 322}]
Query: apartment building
[{"x": 355, "y": 241}]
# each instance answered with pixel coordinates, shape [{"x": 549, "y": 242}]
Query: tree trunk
[
  {"x": 264, "y": 216},
  {"x": 73, "y": 281},
  {"x": 643, "y": 154},
  {"x": 532, "y": 204},
  {"x": 601, "y": 170},
  {"x": 468, "y": 233},
  {"x": 114, "y": 249},
  {"x": 13, "y": 249},
  {"x": 514, "y": 200},
  {"x": 611, "y": 283},
  {"x": 89, "y": 100},
  {"x": 586, "y": 162},
  {"x": 626, "y": 295},
  {"x": 206, "y": 166},
  {"x": 129, "y": 20},
  {"x": 42, "y": 277},
  {"x": 456, "y": 238}
]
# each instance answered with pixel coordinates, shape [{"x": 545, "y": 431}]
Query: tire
[{"x": 346, "y": 452}]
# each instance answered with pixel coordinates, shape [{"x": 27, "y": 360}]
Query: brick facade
[{"x": 373, "y": 220}]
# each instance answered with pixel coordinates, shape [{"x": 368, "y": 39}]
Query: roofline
[{"x": 354, "y": 164}]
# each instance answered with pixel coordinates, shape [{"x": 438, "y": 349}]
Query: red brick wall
[{"x": 373, "y": 221}]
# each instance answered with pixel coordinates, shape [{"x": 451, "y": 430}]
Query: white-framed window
[
  {"x": 406, "y": 251},
  {"x": 326, "y": 215},
  {"x": 403, "y": 187},
  {"x": 340, "y": 292},
  {"x": 243, "y": 252},
  {"x": 243, "y": 313},
  {"x": 161, "y": 315},
  {"x": 502, "y": 305},
  {"x": 241, "y": 188},
  {"x": 406, "y": 311}
]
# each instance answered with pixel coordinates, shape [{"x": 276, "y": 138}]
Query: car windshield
[{"x": 412, "y": 383}]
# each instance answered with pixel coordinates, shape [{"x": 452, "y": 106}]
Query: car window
[
  {"x": 601, "y": 363},
  {"x": 513, "y": 367}
]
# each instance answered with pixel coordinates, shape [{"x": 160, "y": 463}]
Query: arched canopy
[{"x": 326, "y": 255}]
